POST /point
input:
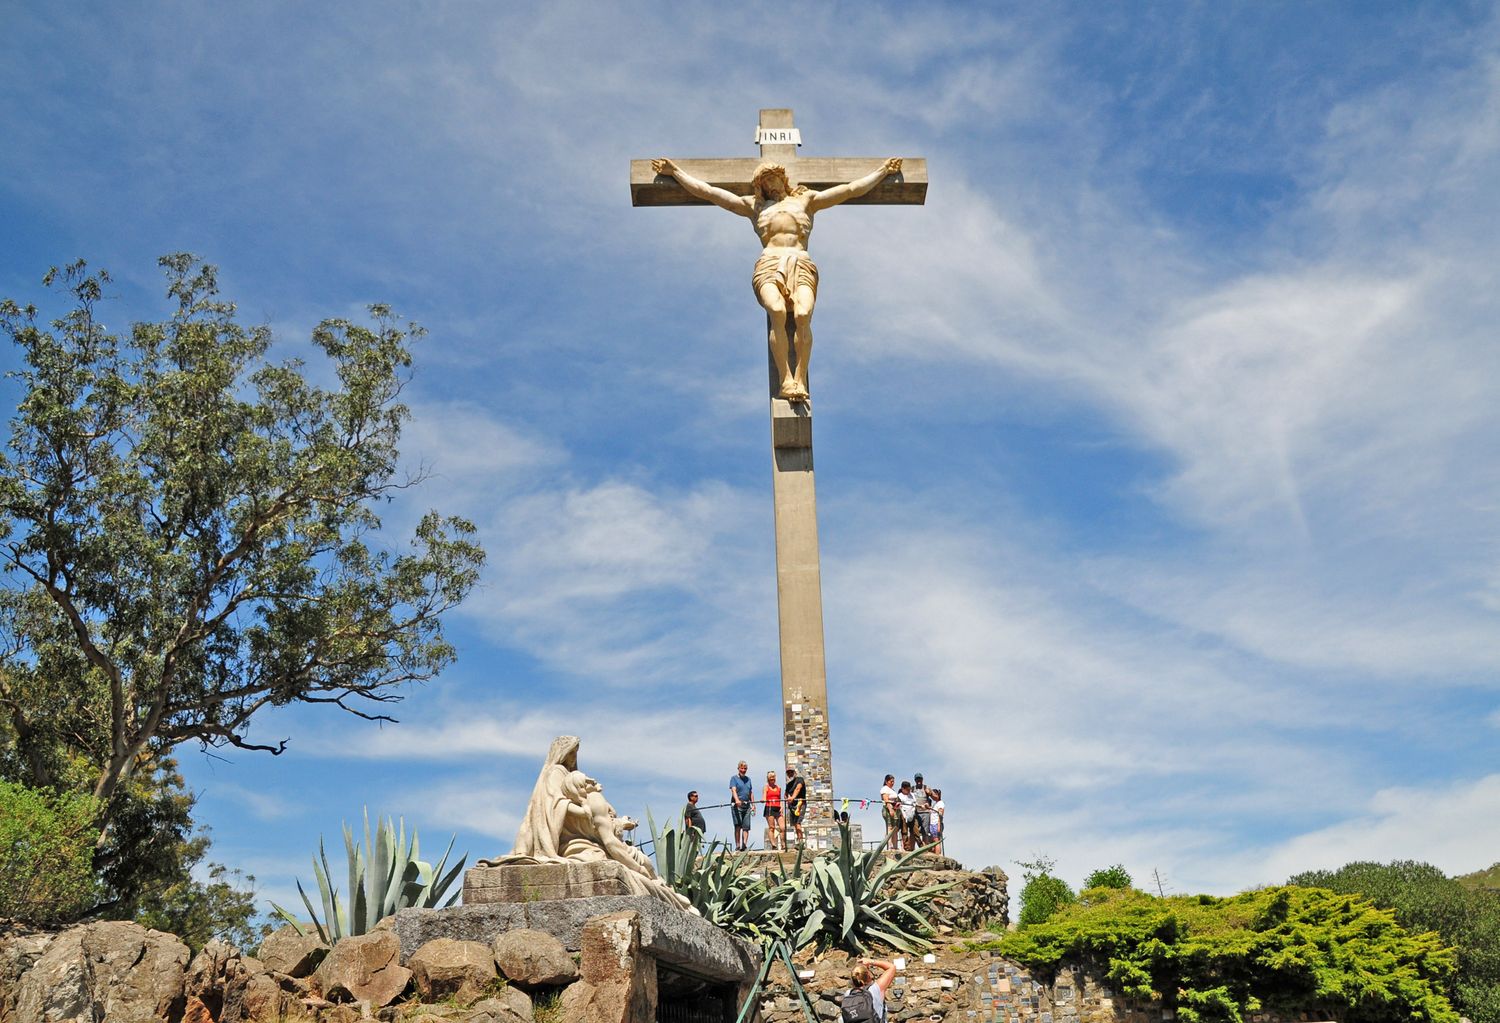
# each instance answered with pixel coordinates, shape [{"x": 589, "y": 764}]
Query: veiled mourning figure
[{"x": 569, "y": 820}]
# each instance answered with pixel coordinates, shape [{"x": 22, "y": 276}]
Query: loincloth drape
[{"x": 788, "y": 269}]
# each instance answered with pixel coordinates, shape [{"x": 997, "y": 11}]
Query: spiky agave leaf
[
  {"x": 333, "y": 912},
  {"x": 385, "y": 875}
]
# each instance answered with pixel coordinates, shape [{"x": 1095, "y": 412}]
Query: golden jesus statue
[{"x": 785, "y": 277}]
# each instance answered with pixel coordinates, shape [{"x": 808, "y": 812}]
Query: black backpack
[{"x": 859, "y": 1007}]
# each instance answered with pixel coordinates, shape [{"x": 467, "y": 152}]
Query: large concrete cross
[{"x": 804, "y": 685}]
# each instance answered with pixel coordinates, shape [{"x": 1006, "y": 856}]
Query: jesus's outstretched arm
[
  {"x": 854, "y": 189},
  {"x": 703, "y": 190}
]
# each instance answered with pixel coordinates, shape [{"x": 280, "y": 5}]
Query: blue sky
[{"x": 1158, "y": 495}]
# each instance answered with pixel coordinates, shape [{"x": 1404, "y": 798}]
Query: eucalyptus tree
[{"x": 189, "y": 533}]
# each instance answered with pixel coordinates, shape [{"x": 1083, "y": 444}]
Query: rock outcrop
[
  {"x": 296, "y": 955},
  {"x": 110, "y": 972},
  {"x": 445, "y": 968},
  {"x": 363, "y": 968},
  {"x": 534, "y": 959}
]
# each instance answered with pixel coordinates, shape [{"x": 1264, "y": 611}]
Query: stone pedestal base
[
  {"x": 543, "y": 882},
  {"x": 681, "y": 940}
]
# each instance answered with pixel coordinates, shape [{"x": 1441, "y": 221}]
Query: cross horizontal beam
[{"x": 908, "y": 188}]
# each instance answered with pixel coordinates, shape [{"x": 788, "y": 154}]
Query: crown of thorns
[{"x": 765, "y": 170}]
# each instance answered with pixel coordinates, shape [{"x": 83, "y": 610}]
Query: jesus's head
[{"x": 771, "y": 182}]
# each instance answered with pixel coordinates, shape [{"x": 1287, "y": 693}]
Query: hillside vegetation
[
  {"x": 1215, "y": 960},
  {"x": 1423, "y": 898}
]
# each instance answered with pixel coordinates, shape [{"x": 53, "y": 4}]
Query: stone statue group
[{"x": 568, "y": 820}]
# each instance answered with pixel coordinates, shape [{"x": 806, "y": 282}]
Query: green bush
[
  {"x": 1108, "y": 877},
  {"x": 1042, "y": 894},
  {"x": 46, "y": 854},
  {"x": 1425, "y": 899},
  {"x": 1282, "y": 950}
]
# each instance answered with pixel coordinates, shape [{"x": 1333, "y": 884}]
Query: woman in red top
[{"x": 776, "y": 839}]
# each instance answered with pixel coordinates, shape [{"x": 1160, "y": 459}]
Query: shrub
[
  {"x": 46, "y": 854},
  {"x": 1425, "y": 899},
  {"x": 1042, "y": 894},
  {"x": 1108, "y": 877},
  {"x": 1281, "y": 950}
]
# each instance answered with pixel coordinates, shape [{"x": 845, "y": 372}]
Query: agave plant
[
  {"x": 837, "y": 900},
  {"x": 675, "y": 852},
  {"x": 384, "y": 875},
  {"x": 847, "y": 906}
]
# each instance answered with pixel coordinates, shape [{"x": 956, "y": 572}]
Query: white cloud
[
  {"x": 1453, "y": 825},
  {"x": 264, "y": 806},
  {"x": 624, "y": 582},
  {"x": 469, "y": 451},
  {"x": 617, "y": 736}
]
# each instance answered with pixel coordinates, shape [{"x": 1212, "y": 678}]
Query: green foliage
[
  {"x": 1115, "y": 876},
  {"x": 1280, "y": 949},
  {"x": 150, "y": 847},
  {"x": 198, "y": 911},
  {"x": 1425, "y": 899},
  {"x": 46, "y": 854},
  {"x": 185, "y": 537},
  {"x": 675, "y": 851},
  {"x": 840, "y": 899},
  {"x": 1042, "y": 894},
  {"x": 385, "y": 875},
  {"x": 850, "y": 906}
]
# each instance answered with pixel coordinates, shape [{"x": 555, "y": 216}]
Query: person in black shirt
[
  {"x": 692, "y": 817},
  {"x": 795, "y": 796},
  {"x": 923, "y": 799}
]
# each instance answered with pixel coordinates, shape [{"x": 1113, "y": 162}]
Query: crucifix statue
[
  {"x": 785, "y": 278},
  {"x": 780, "y": 193}
]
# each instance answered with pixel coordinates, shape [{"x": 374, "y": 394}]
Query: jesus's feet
[{"x": 793, "y": 390}]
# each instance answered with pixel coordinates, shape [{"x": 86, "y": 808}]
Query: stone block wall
[
  {"x": 954, "y": 985},
  {"x": 976, "y": 900}
]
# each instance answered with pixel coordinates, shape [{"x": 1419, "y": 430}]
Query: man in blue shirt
[{"x": 742, "y": 805}]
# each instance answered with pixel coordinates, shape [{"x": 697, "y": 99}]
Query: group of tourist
[
  {"x": 913, "y": 811},
  {"x": 913, "y": 814},
  {"x": 773, "y": 799}
]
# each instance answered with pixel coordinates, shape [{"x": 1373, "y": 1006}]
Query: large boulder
[
  {"x": 508, "y": 1005},
  {"x": 447, "y": 968},
  {"x": 261, "y": 999},
  {"x": 286, "y": 952},
  {"x": 534, "y": 959},
  {"x": 20, "y": 948},
  {"x": 110, "y": 972},
  {"x": 222, "y": 985},
  {"x": 364, "y": 968}
]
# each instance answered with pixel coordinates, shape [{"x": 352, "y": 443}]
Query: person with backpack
[{"x": 865, "y": 1001}]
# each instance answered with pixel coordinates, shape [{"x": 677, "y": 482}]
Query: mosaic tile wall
[{"x": 805, "y": 734}]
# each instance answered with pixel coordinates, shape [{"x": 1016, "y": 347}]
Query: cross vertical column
[
  {"x": 799, "y": 590},
  {"x": 799, "y": 585}
]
